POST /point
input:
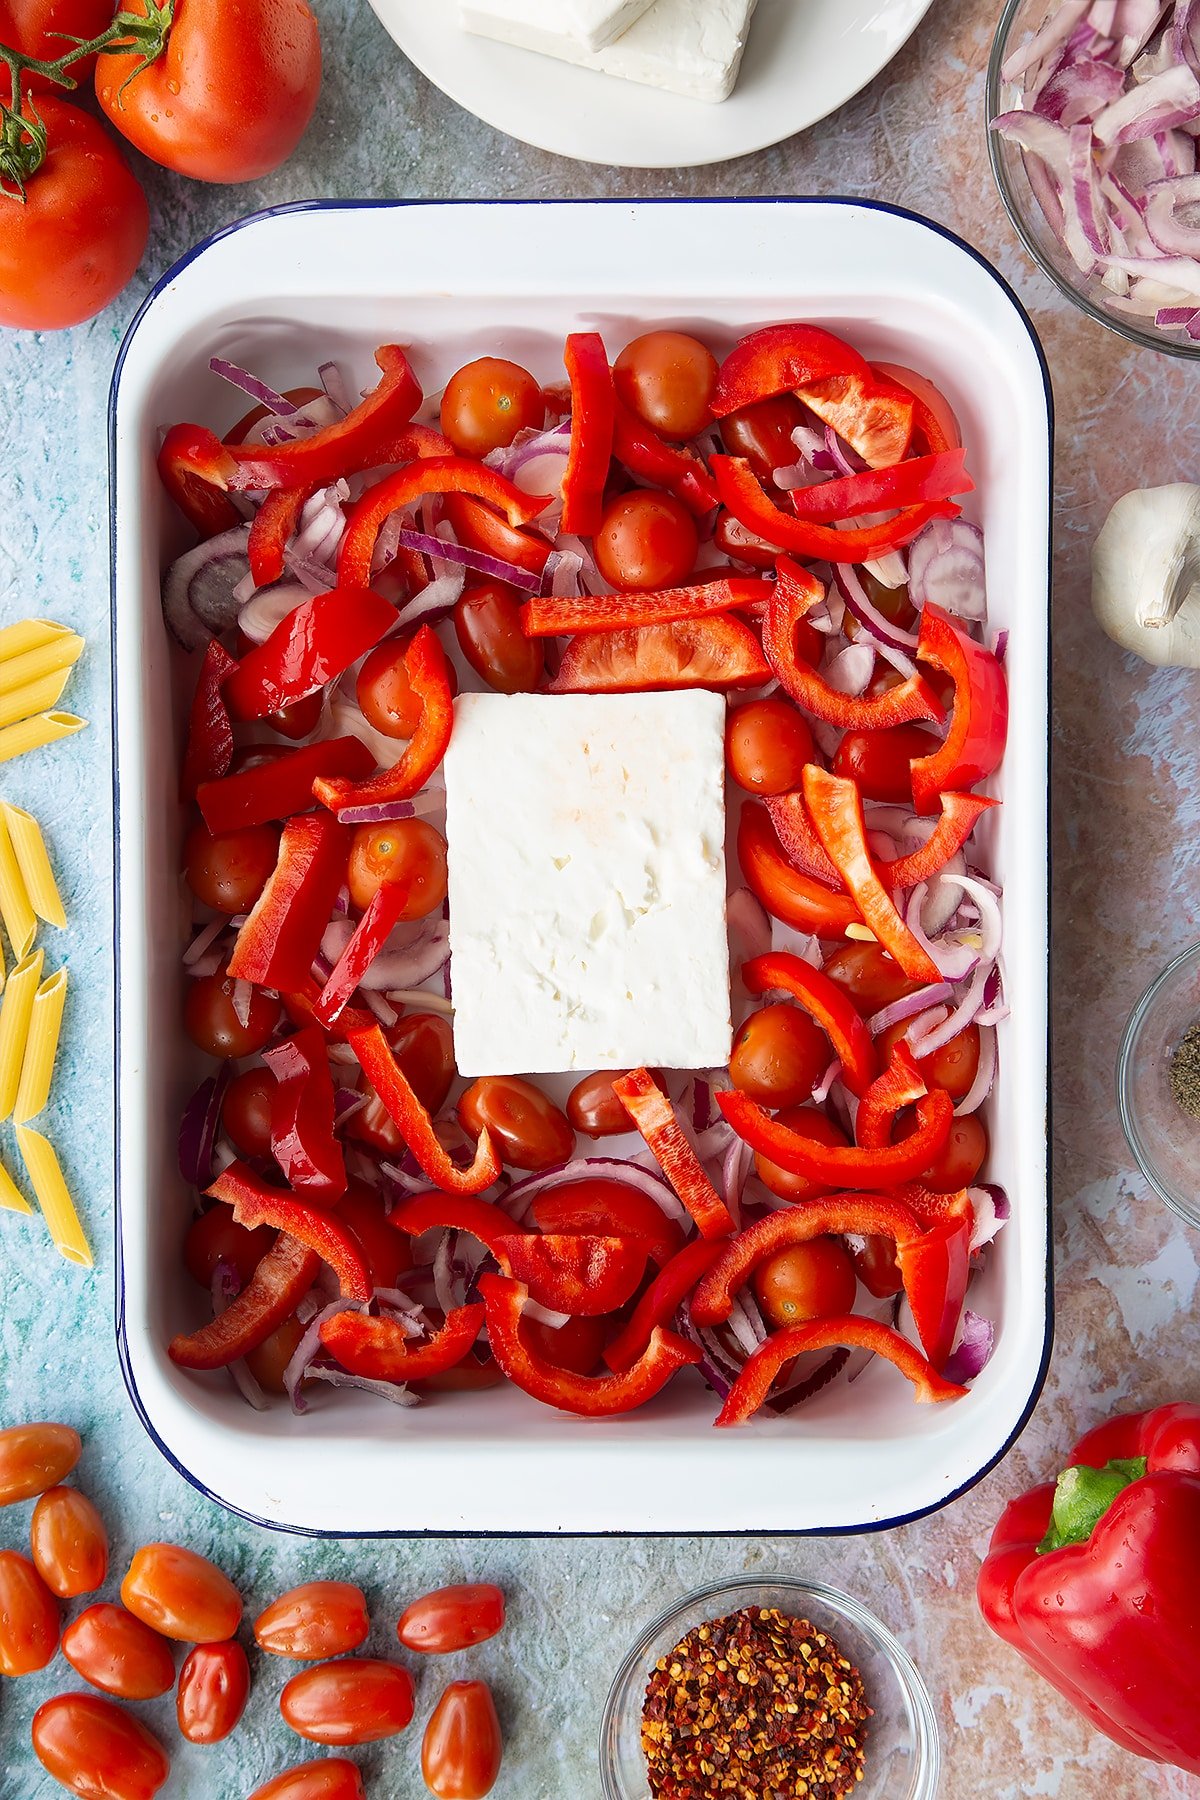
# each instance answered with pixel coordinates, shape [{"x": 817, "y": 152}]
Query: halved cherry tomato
[
  {"x": 487, "y": 623},
  {"x": 779, "y": 1055},
  {"x": 452, "y": 1618},
  {"x": 646, "y": 540},
  {"x": 815, "y": 1280},
  {"x": 576, "y": 1346},
  {"x": 762, "y": 433},
  {"x": 528, "y": 1130},
  {"x": 594, "y": 1109},
  {"x": 97, "y": 1749},
  {"x": 215, "y": 1238},
  {"x": 358, "y": 1700},
  {"x": 879, "y": 761},
  {"x": 69, "y": 1543},
  {"x": 214, "y": 1027},
  {"x": 181, "y": 1594},
  {"x": 246, "y": 1111},
  {"x": 34, "y": 1458},
  {"x": 782, "y": 1181},
  {"x": 386, "y": 1250},
  {"x": 28, "y": 1617},
  {"x": 408, "y": 850},
  {"x": 316, "y": 1620},
  {"x": 118, "y": 1654},
  {"x": 230, "y": 871},
  {"x": 487, "y": 402},
  {"x": 870, "y": 976},
  {"x": 953, "y": 1067},
  {"x": 667, "y": 378},
  {"x": 330, "y": 1778},
  {"x": 962, "y": 1157},
  {"x": 767, "y": 743},
  {"x": 214, "y": 1686},
  {"x": 268, "y": 1360},
  {"x": 462, "y": 1748},
  {"x": 598, "y": 1204},
  {"x": 713, "y": 652}
]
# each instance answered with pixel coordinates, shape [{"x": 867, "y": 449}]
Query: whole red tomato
[
  {"x": 214, "y": 1685},
  {"x": 42, "y": 28},
  {"x": 231, "y": 95},
  {"x": 98, "y": 1750},
  {"x": 462, "y": 1748},
  {"x": 79, "y": 235}
]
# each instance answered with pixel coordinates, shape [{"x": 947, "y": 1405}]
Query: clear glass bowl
[
  {"x": 1164, "y": 1139},
  {"x": 1018, "y": 21},
  {"x": 903, "y": 1751}
]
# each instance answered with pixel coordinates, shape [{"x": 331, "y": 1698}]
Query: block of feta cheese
[
  {"x": 690, "y": 47},
  {"x": 547, "y": 25},
  {"x": 586, "y": 839}
]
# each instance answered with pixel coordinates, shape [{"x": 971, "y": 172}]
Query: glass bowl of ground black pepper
[
  {"x": 1158, "y": 1084},
  {"x": 757, "y": 1688}
]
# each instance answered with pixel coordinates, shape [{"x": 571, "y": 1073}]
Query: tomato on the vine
[
  {"x": 487, "y": 402},
  {"x": 43, "y": 29}
]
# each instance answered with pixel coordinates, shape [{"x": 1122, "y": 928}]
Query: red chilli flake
[{"x": 757, "y": 1706}]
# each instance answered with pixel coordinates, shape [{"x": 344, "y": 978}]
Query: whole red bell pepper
[
  {"x": 381, "y": 1349},
  {"x": 439, "y": 1211},
  {"x": 878, "y": 490},
  {"x": 593, "y": 409},
  {"x": 281, "y": 787},
  {"x": 824, "y": 1001},
  {"x": 649, "y": 457},
  {"x": 662, "y": 1300},
  {"x": 549, "y": 616},
  {"x": 314, "y": 644},
  {"x": 206, "y": 507},
  {"x": 255, "y": 1203},
  {"x": 429, "y": 678},
  {"x": 302, "y": 1116},
  {"x": 575, "y": 1272},
  {"x": 654, "y": 1116},
  {"x": 779, "y": 359},
  {"x": 594, "y": 1396},
  {"x": 754, "y": 1382},
  {"x": 743, "y": 493},
  {"x": 979, "y": 722},
  {"x": 842, "y": 1166},
  {"x": 271, "y": 1295},
  {"x": 209, "y": 748},
  {"x": 371, "y": 933},
  {"x": 1092, "y": 1579},
  {"x": 413, "y": 1122},
  {"x": 800, "y": 900},
  {"x": 429, "y": 475},
  {"x": 278, "y": 944}
]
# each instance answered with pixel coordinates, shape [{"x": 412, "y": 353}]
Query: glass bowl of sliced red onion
[
  {"x": 1094, "y": 119},
  {"x": 1158, "y": 1094}
]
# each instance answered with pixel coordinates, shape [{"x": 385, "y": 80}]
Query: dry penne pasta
[
  {"x": 16, "y": 1009},
  {"x": 53, "y": 1196},
  {"x": 37, "y": 696},
  {"x": 31, "y": 665},
  {"x": 29, "y": 846},
  {"x": 31, "y": 734},
  {"x": 20, "y": 920},
  {"x": 11, "y": 1197},
  {"x": 41, "y": 1047},
  {"x": 30, "y": 634}
]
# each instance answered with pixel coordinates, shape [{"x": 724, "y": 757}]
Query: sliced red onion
[
  {"x": 985, "y": 1074},
  {"x": 1077, "y": 91},
  {"x": 890, "y": 571},
  {"x": 745, "y": 1324},
  {"x": 269, "y": 607},
  {"x": 944, "y": 895},
  {"x": 749, "y": 931},
  {"x": 735, "y": 1167},
  {"x": 240, "y": 1000},
  {"x": 909, "y": 1006},
  {"x": 825, "y": 1086},
  {"x": 809, "y": 1381},
  {"x": 346, "y": 1102},
  {"x": 383, "y": 1009},
  {"x": 310, "y": 1346},
  {"x": 250, "y": 384},
  {"x": 1174, "y": 234},
  {"x": 533, "y": 1309},
  {"x": 449, "y": 1295},
  {"x": 992, "y": 1212},
  {"x": 1059, "y": 24},
  {"x": 845, "y": 460},
  {"x": 345, "y": 720},
  {"x": 422, "y": 997},
  {"x": 204, "y": 938},
  {"x": 1168, "y": 99},
  {"x": 850, "y": 670},
  {"x": 398, "y": 964},
  {"x": 336, "y": 386},
  {"x": 973, "y": 1349},
  {"x": 858, "y": 604},
  {"x": 945, "y": 565},
  {"x": 384, "y": 1390},
  {"x": 494, "y": 567},
  {"x": 522, "y": 1194},
  {"x": 433, "y": 602},
  {"x": 198, "y": 589},
  {"x": 198, "y": 1128}
]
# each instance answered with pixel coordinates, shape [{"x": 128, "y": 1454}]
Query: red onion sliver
[
  {"x": 869, "y": 617},
  {"x": 384, "y": 1390},
  {"x": 250, "y": 384},
  {"x": 909, "y": 1006},
  {"x": 494, "y": 567},
  {"x": 310, "y": 1346},
  {"x": 971, "y": 1353},
  {"x": 985, "y": 1074}
]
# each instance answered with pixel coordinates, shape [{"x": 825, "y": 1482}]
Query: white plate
[
  {"x": 283, "y": 292},
  {"x": 804, "y": 59}
]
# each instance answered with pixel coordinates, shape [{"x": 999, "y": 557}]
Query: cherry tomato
[
  {"x": 300, "y": 719},
  {"x": 646, "y": 540},
  {"x": 34, "y": 1458},
  {"x": 97, "y": 1749},
  {"x": 230, "y": 871},
  {"x": 452, "y": 1618},
  {"x": 869, "y": 975},
  {"x": 40, "y": 28},
  {"x": 181, "y": 1594},
  {"x": 742, "y": 544},
  {"x": 606, "y": 1208},
  {"x": 355, "y": 1701},
  {"x": 215, "y": 1238},
  {"x": 214, "y": 1027},
  {"x": 762, "y": 433},
  {"x": 318, "y": 1619},
  {"x": 246, "y": 1111},
  {"x": 876, "y": 1267},
  {"x": 469, "y": 1376},
  {"x": 423, "y": 1044},
  {"x": 893, "y": 603},
  {"x": 373, "y": 1124},
  {"x": 779, "y": 1055},
  {"x": 667, "y": 379},
  {"x": 767, "y": 744},
  {"x": 879, "y": 761},
  {"x": 406, "y": 850},
  {"x": 230, "y": 97},
  {"x": 962, "y": 1157},
  {"x": 806, "y": 1281},
  {"x": 594, "y": 1109},
  {"x": 487, "y": 402},
  {"x": 118, "y": 1654},
  {"x": 214, "y": 1686},
  {"x": 71, "y": 245},
  {"x": 528, "y": 1130},
  {"x": 330, "y": 1778},
  {"x": 487, "y": 623},
  {"x": 268, "y": 1360},
  {"x": 69, "y": 1543},
  {"x": 953, "y": 1067},
  {"x": 28, "y": 1617},
  {"x": 462, "y": 1748},
  {"x": 384, "y": 692},
  {"x": 782, "y": 1181},
  {"x": 386, "y": 1249},
  {"x": 577, "y": 1345}
]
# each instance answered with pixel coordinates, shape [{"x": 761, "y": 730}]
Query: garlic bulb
[{"x": 1146, "y": 574}]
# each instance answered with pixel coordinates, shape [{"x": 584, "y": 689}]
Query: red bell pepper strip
[
  {"x": 796, "y": 593},
  {"x": 754, "y": 1383},
  {"x": 654, "y": 1116},
  {"x": 778, "y": 360},
  {"x": 800, "y": 900},
  {"x": 202, "y": 504},
  {"x": 897, "y": 1087},
  {"x": 271, "y": 528},
  {"x": 210, "y": 733},
  {"x": 575, "y": 1272},
  {"x": 928, "y": 429},
  {"x": 877, "y": 490},
  {"x": 825, "y": 1001},
  {"x": 282, "y": 787},
  {"x": 479, "y": 528},
  {"x": 254, "y": 1204},
  {"x": 593, "y": 407},
  {"x": 456, "y": 1212},
  {"x": 799, "y": 842},
  {"x": 278, "y": 944},
  {"x": 979, "y": 723},
  {"x": 302, "y": 1116},
  {"x": 371, "y": 933},
  {"x": 934, "y": 1270},
  {"x": 661, "y": 1300},
  {"x": 833, "y": 1215},
  {"x": 960, "y": 815},
  {"x": 743, "y": 493},
  {"x": 835, "y": 807},
  {"x": 548, "y": 616},
  {"x": 873, "y": 413},
  {"x": 313, "y": 645},
  {"x": 429, "y": 475},
  {"x": 429, "y": 677},
  {"x": 381, "y": 1350},
  {"x": 649, "y": 458},
  {"x": 300, "y": 1004},
  {"x": 271, "y": 1295},
  {"x": 414, "y": 1123},
  {"x": 714, "y": 652},
  {"x": 594, "y": 1396},
  {"x": 930, "y": 1207},
  {"x": 843, "y": 1166},
  {"x": 1092, "y": 1580}
]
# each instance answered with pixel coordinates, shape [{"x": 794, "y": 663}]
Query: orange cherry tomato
[
  {"x": 528, "y": 1130},
  {"x": 229, "y": 871},
  {"x": 806, "y": 1281},
  {"x": 118, "y": 1654},
  {"x": 880, "y": 762},
  {"x": 69, "y": 1543},
  {"x": 34, "y": 1458},
  {"x": 462, "y": 1748},
  {"x": 667, "y": 379},
  {"x": 97, "y": 1749},
  {"x": 487, "y": 402},
  {"x": 215, "y": 1238},
  {"x": 576, "y": 1346},
  {"x": 961, "y": 1158},
  {"x": 246, "y": 1111},
  {"x": 213, "y": 1025},
  {"x": 953, "y": 1067},
  {"x": 331, "y": 1778},
  {"x": 487, "y": 623},
  {"x": 646, "y": 540},
  {"x": 408, "y": 850},
  {"x": 317, "y": 1619},
  {"x": 767, "y": 744},
  {"x": 181, "y": 1594},
  {"x": 452, "y": 1618},
  {"x": 268, "y": 1360},
  {"x": 388, "y": 1252},
  {"x": 28, "y": 1617},
  {"x": 762, "y": 433},
  {"x": 782, "y": 1181},
  {"x": 869, "y": 975},
  {"x": 779, "y": 1055},
  {"x": 214, "y": 1686},
  {"x": 594, "y": 1109},
  {"x": 357, "y": 1700}
]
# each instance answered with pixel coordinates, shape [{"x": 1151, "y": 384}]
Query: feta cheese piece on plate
[
  {"x": 586, "y": 838},
  {"x": 547, "y": 25},
  {"x": 689, "y": 47}
]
